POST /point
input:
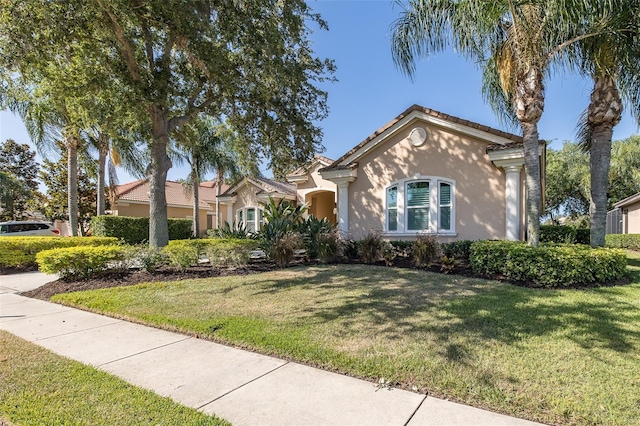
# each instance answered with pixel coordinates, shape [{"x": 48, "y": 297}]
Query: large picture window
[{"x": 424, "y": 204}]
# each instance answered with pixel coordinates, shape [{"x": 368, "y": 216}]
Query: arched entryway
[{"x": 322, "y": 204}]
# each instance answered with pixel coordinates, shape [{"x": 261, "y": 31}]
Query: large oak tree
[{"x": 250, "y": 63}]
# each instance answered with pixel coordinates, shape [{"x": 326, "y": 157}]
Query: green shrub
[
  {"x": 548, "y": 265},
  {"x": 20, "y": 252},
  {"x": 563, "y": 234},
  {"x": 183, "y": 253},
  {"x": 625, "y": 241},
  {"x": 229, "y": 252},
  {"x": 389, "y": 253},
  {"x": 583, "y": 236},
  {"x": 82, "y": 261},
  {"x": 148, "y": 258},
  {"x": 135, "y": 230},
  {"x": 371, "y": 247},
  {"x": 425, "y": 250},
  {"x": 460, "y": 249},
  {"x": 180, "y": 229}
]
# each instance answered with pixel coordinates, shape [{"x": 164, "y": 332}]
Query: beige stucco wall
[
  {"x": 479, "y": 185},
  {"x": 631, "y": 222}
]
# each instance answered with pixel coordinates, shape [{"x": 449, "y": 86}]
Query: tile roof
[
  {"x": 433, "y": 113},
  {"x": 265, "y": 184},
  {"x": 303, "y": 170},
  {"x": 174, "y": 191}
]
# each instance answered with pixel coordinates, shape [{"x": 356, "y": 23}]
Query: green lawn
[
  {"x": 40, "y": 388},
  {"x": 556, "y": 356}
]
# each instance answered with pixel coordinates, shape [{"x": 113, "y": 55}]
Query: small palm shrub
[
  {"x": 425, "y": 250},
  {"x": 234, "y": 231},
  {"x": 448, "y": 264},
  {"x": 280, "y": 232},
  {"x": 371, "y": 247},
  {"x": 315, "y": 232}
]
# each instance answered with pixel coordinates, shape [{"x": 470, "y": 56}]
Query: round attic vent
[{"x": 418, "y": 136}]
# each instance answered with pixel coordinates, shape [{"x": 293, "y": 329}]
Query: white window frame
[
  {"x": 434, "y": 207},
  {"x": 258, "y": 221}
]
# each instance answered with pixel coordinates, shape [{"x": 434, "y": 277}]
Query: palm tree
[
  {"x": 515, "y": 43},
  {"x": 203, "y": 146},
  {"x": 611, "y": 60}
]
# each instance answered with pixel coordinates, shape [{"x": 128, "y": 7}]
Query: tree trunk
[
  {"x": 528, "y": 106},
  {"x": 219, "y": 180},
  {"x": 160, "y": 165},
  {"x": 532, "y": 181},
  {"x": 103, "y": 151},
  {"x": 604, "y": 113},
  {"x": 72, "y": 184},
  {"x": 196, "y": 206}
]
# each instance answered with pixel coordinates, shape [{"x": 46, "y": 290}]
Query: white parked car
[{"x": 23, "y": 228}]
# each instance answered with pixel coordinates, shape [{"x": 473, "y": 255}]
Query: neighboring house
[
  {"x": 627, "y": 216},
  {"x": 244, "y": 200},
  {"x": 133, "y": 200},
  {"x": 426, "y": 172}
]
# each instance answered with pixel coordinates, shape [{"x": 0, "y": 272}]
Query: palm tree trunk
[
  {"x": 72, "y": 183},
  {"x": 532, "y": 181},
  {"x": 219, "y": 181},
  {"x": 599, "y": 161},
  {"x": 604, "y": 113},
  {"x": 196, "y": 206},
  {"x": 160, "y": 165},
  {"x": 103, "y": 151}
]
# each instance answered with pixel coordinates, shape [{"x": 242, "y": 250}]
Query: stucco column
[
  {"x": 343, "y": 206},
  {"x": 512, "y": 201},
  {"x": 230, "y": 212}
]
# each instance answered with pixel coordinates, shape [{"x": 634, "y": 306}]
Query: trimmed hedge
[
  {"x": 548, "y": 265},
  {"x": 20, "y": 252},
  {"x": 221, "y": 252},
  {"x": 135, "y": 230},
  {"x": 625, "y": 241},
  {"x": 560, "y": 234},
  {"x": 82, "y": 261}
]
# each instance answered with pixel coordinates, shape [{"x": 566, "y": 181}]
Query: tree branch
[
  {"x": 179, "y": 121},
  {"x": 127, "y": 51}
]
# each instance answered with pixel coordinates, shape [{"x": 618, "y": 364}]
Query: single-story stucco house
[
  {"x": 132, "y": 199},
  {"x": 628, "y": 214},
  {"x": 426, "y": 172},
  {"x": 244, "y": 200}
]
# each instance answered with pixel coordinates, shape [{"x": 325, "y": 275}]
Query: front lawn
[
  {"x": 40, "y": 388},
  {"x": 555, "y": 356}
]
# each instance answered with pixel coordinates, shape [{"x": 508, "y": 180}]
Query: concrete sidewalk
[{"x": 243, "y": 387}]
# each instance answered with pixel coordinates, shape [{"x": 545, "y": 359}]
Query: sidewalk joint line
[
  {"x": 145, "y": 351},
  {"x": 76, "y": 331},
  {"x": 241, "y": 386},
  {"x": 416, "y": 410}
]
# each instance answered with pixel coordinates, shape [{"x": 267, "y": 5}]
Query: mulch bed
[{"x": 134, "y": 277}]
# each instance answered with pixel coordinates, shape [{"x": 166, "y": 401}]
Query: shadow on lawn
[{"x": 392, "y": 304}]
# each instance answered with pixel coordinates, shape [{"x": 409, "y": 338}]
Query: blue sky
[{"x": 370, "y": 91}]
